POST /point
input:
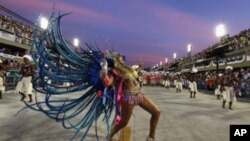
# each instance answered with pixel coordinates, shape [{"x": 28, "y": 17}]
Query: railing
[{"x": 8, "y": 35}]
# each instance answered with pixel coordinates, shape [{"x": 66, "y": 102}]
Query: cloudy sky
[{"x": 150, "y": 30}]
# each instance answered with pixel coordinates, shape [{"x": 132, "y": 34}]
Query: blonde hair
[{"x": 123, "y": 68}]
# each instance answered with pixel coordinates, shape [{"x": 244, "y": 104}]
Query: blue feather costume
[{"x": 58, "y": 64}]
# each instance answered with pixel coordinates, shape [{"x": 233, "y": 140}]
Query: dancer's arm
[{"x": 107, "y": 79}]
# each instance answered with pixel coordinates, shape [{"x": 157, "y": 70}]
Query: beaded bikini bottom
[{"x": 133, "y": 98}]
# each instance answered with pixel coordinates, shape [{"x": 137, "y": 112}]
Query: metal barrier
[
  {"x": 12, "y": 78},
  {"x": 243, "y": 89}
]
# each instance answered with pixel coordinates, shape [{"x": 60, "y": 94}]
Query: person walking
[
  {"x": 227, "y": 87},
  {"x": 217, "y": 91},
  {"x": 24, "y": 86},
  {"x": 2, "y": 80},
  {"x": 193, "y": 86},
  {"x": 178, "y": 84}
]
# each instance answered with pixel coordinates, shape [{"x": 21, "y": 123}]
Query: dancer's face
[
  {"x": 119, "y": 59},
  {"x": 192, "y": 79},
  {"x": 111, "y": 78},
  {"x": 26, "y": 61},
  {"x": 228, "y": 71}
]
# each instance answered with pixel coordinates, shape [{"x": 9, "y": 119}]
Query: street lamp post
[{"x": 220, "y": 31}]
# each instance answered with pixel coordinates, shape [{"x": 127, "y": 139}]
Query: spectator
[
  {"x": 11, "y": 64},
  {"x": 15, "y": 27},
  {"x": 5, "y": 65},
  {"x": 18, "y": 65}
]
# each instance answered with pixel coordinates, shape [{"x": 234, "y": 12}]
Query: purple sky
[{"x": 148, "y": 29}]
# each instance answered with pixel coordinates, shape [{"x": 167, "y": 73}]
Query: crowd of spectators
[
  {"x": 9, "y": 64},
  {"x": 206, "y": 80},
  {"x": 16, "y": 31},
  {"x": 20, "y": 32},
  {"x": 236, "y": 42},
  {"x": 15, "y": 27},
  {"x": 10, "y": 73},
  {"x": 203, "y": 58}
]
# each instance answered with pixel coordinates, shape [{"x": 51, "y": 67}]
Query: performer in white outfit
[
  {"x": 192, "y": 83},
  {"x": 217, "y": 91},
  {"x": 24, "y": 86},
  {"x": 167, "y": 82},
  {"x": 179, "y": 84},
  {"x": 227, "y": 87},
  {"x": 192, "y": 86},
  {"x": 2, "y": 88}
]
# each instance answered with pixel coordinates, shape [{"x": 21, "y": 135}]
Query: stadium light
[
  {"x": 220, "y": 30},
  {"x": 174, "y": 55},
  {"x": 76, "y": 42},
  {"x": 44, "y": 23},
  {"x": 189, "y": 48},
  {"x": 166, "y": 60},
  {"x": 157, "y": 65},
  {"x": 161, "y": 63}
]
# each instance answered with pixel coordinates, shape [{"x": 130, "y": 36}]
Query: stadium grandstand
[
  {"x": 15, "y": 34},
  {"x": 15, "y": 42},
  {"x": 230, "y": 51},
  {"x": 234, "y": 51}
]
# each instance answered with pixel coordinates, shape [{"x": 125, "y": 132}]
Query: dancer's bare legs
[
  {"x": 127, "y": 110},
  {"x": 154, "y": 110},
  {"x": 126, "y": 113}
]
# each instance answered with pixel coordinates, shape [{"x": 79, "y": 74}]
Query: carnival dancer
[
  {"x": 24, "y": 86},
  {"x": 131, "y": 97},
  {"x": 192, "y": 85},
  {"x": 178, "y": 83},
  {"x": 2, "y": 80},
  {"x": 107, "y": 85},
  {"x": 167, "y": 81},
  {"x": 227, "y": 87},
  {"x": 217, "y": 91}
]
